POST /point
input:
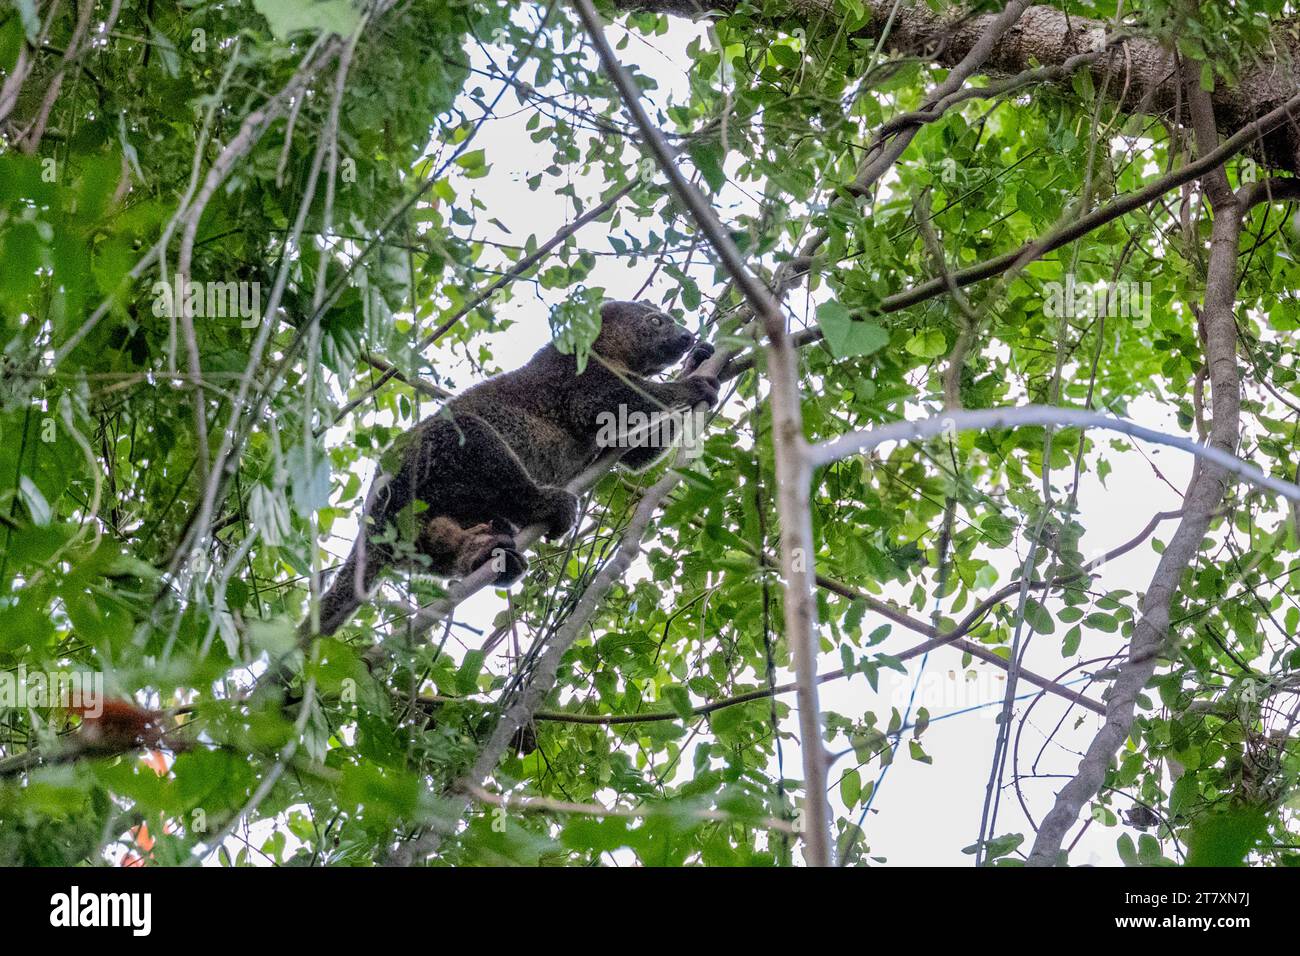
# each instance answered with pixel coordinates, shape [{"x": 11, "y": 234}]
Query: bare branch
[
  {"x": 792, "y": 466},
  {"x": 862, "y": 442},
  {"x": 1205, "y": 493},
  {"x": 548, "y": 665}
]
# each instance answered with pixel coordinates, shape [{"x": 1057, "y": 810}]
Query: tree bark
[
  {"x": 790, "y": 449},
  {"x": 1146, "y": 74},
  {"x": 1205, "y": 493}
]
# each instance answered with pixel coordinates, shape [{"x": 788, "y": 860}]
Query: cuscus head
[{"x": 641, "y": 337}]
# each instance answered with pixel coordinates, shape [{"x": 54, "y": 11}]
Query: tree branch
[
  {"x": 1048, "y": 37},
  {"x": 546, "y": 669},
  {"x": 790, "y": 449},
  {"x": 862, "y": 442},
  {"x": 1205, "y": 493}
]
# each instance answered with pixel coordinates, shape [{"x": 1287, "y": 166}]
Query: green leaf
[
  {"x": 928, "y": 344},
  {"x": 848, "y": 336},
  {"x": 1071, "y": 643},
  {"x": 35, "y": 502},
  {"x": 1102, "y": 622},
  {"x": 1225, "y": 837},
  {"x": 470, "y": 668},
  {"x": 1038, "y": 617},
  {"x": 287, "y": 17},
  {"x": 851, "y": 788},
  {"x": 677, "y": 697},
  {"x": 1127, "y": 851},
  {"x": 707, "y": 156}
]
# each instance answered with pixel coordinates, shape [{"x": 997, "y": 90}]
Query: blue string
[
  {"x": 897, "y": 735},
  {"x": 893, "y": 748}
]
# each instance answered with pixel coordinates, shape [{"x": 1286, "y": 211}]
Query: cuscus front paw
[
  {"x": 700, "y": 354},
  {"x": 703, "y": 389}
]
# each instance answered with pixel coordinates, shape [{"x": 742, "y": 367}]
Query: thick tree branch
[
  {"x": 1214, "y": 455},
  {"x": 1047, "y": 37},
  {"x": 1209, "y": 484},
  {"x": 548, "y": 665},
  {"x": 793, "y": 470}
]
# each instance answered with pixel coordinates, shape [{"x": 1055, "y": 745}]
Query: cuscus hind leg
[
  {"x": 463, "y": 468},
  {"x": 455, "y": 551}
]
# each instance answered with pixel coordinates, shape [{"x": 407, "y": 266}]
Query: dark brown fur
[{"x": 497, "y": 458}]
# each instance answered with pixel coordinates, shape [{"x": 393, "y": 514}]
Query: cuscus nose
[{"x": 683, "y": 337}]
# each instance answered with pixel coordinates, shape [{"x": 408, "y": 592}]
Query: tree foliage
[{"x": 168, "y": 487}]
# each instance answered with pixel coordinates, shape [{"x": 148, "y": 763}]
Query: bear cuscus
[{"x": 454, "y": 490}]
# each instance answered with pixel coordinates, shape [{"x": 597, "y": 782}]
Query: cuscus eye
[{"x": 656, "y": 321}]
